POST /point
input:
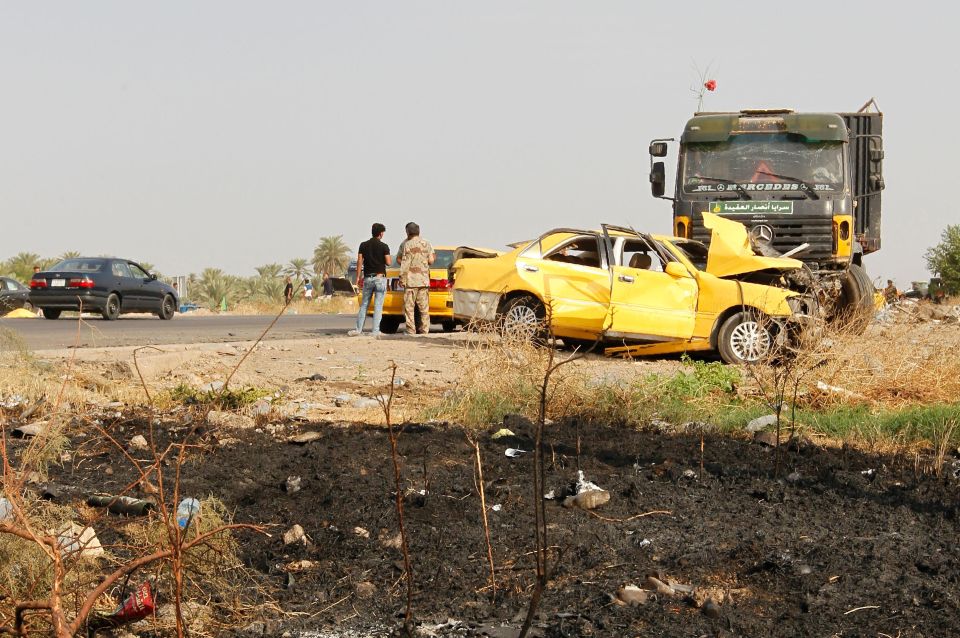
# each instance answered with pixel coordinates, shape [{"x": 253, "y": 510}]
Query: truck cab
[{"x": 804, "y": 184}]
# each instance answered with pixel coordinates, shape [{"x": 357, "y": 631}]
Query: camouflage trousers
[{"x": 416, "y": 298}]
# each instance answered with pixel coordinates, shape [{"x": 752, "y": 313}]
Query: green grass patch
[
  {"x": 913, "y": 424},
  {"x": 229, "y": 399}
]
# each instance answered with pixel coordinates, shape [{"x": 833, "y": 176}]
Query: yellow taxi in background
[
  {"x": 441, "y": 302},
  {"x": 651, "y": 294}
]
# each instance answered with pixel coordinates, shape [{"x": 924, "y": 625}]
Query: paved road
[{"x": 39, "y": 334}]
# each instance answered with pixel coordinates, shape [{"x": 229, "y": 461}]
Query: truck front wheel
[{"x": 854, "y": 308}]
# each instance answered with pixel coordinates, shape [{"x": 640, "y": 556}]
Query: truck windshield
[{"x": 760, "y": 162}]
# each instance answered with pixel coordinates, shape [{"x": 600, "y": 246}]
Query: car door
[
  {"x": 127, "y": 285},
  {"x": 151, "y": 292},
  {"x": 567, "y": 271},
  {"x": 650, "y": 299}
]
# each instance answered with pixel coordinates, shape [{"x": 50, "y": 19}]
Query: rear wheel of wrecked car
[
  {"x": 390, "y": 324},
  {"x": 745, "y": 337},
  {"x": 449, "y": 326},
  {"x": 112, "y": 308},
  {"x": 522, "y": 317},
  {"x": 51, "y": 313},
  {"x": 854, "y": 308}
]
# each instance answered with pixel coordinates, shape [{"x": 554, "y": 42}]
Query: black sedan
[
  {"x": 106, "y": 285},
  {"x": 13, "y": 295}
]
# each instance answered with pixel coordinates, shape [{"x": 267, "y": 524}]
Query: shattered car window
[
  {"x": 761, "y": 162},
  {"x": 694, "y": 251}
]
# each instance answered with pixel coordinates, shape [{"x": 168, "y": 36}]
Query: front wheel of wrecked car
[
  {"x": 522, "y": 318},
  {"x": 745, "y": 337}
]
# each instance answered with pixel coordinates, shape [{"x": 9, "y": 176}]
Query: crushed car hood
[{"x": 730, "y": 252}]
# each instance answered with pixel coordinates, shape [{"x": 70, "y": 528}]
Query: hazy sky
[{"x": 233, "y": 134}]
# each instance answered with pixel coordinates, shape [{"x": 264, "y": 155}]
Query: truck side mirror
[
  {"x": 658, "y": 179},
  {"x": 658, "y": 149}
]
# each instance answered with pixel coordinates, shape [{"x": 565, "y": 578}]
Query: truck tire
[
  {"x": 745, "y": 338},
  {"x": 51, "y": 313},
  {"x": 854, "y": 309}
]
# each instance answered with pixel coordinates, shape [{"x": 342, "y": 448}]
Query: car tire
[
  {"x": 449, "y": 326},
  {"x": 168, "y": 307},
  {"x": 51, "y": 313},
  {"x": 111, "y": 310},
  {"x": 389, "y": 324},
  {"x": 744, "y": 338},
  {"x": 523, "y": 317}
]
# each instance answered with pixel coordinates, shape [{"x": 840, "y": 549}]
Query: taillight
[
  {"x": 439, "y": 284},
  {"x": 38, "y": 284},
  {"x": 80, "y": 283}
]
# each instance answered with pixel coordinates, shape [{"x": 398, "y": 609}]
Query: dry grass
[
  {"x": 333, "y": 305},
  {"x": 888, "y": 367}
]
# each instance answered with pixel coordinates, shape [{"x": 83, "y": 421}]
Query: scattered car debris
[{"x": 513, "y": 452}]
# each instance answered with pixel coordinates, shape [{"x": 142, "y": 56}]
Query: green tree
[
  {"x": 270, "y": 270},
  {"x": 298, "y": 268},
  {"x": 20, "y": 266},
  {"x": 69, "y": 254},
  {"x": 214, "y": 285},
  {"x": 331, "y": 256},
  {"x": 944, "y": 259}
]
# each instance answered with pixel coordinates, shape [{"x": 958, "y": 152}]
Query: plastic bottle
[{"x": 186, "y": 511}]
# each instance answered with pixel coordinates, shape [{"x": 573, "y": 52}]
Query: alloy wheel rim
[
  {"x": 522, "y": 320},
  {"x": 750, "y": 341}
]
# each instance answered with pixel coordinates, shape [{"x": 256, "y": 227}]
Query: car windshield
[
  {"x": 79, "y": 265},
  {"x": 694, "y": 251},
  {"x": 762, "y": 162},
  {"x": 444, "y": 259}
]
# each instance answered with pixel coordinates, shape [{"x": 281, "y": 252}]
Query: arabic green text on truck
[{"x": 806, "y": 185}]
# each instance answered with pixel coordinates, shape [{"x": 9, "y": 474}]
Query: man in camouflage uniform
[{"x": 415, "y": 256}]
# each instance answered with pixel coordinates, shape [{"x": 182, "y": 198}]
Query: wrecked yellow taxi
[{"x": 639, "y": 294}]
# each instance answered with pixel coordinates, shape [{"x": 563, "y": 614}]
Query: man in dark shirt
[{"x": 372, "y": 261}]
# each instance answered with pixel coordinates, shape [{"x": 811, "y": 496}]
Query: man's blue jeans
[{"x": 376, "y": 286}]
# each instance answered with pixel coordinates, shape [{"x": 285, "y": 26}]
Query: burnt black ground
[{"x": 800, "y": 554}]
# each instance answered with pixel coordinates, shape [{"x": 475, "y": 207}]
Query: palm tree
[
  {"x": 331, "y": 255},
  {"x": 69, "y": 254},
  {"x": 270, "y": 270},
  {"x": 298, "y": 269},
  {"x": 215, "y": 287},
  {"x": 20, "y": 266}
]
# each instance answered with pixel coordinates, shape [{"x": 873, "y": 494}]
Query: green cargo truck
[{"x": 806, "y": 185}]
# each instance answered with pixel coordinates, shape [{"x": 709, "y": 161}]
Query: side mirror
[
  {"x": 658, "y": 179},
  {"x": 676, "y": 269},
  {"x": 658, "y": 149},
  {"x": 152, "y": 276}
]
